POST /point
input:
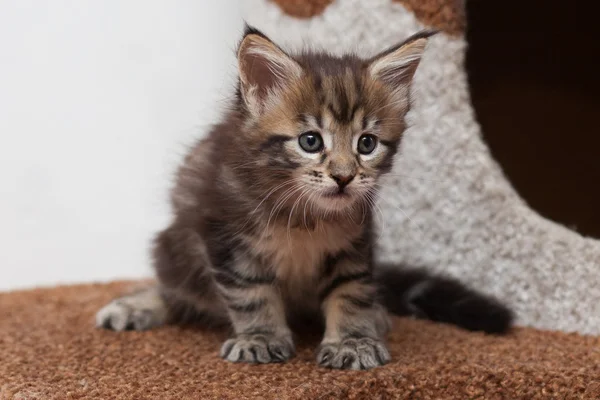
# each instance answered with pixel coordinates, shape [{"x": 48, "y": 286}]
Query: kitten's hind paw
[
  {"x": 353, "y": 353},
  {"x": 139, "y": 311},
  {"x": 258, "y": 348}
]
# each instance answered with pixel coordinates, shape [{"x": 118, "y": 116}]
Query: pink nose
[{"x": 342, "y": 180}]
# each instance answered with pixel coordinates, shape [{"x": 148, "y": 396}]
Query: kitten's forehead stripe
[
  {"x": 335, "y": 112},
  {"x": 319, "y": 120},
  {"x": 343, "y": 96},
  {"x": 355, "y": 108},
  {"x": 317, "y": 81}
]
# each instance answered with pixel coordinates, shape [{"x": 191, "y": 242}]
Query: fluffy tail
[{"x": 417, "y": 293}]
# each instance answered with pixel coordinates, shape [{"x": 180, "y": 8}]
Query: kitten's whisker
[
  {"x": 304, "y": 191},
  {"x": 280, "y": 202},
  {"x": 238, "y": 166},
  {"x": 280, "y": 208},
  {"x": 273, "y": 208},
  {"x": 390, "y": 104},
  {"x": 397, "y": 207},
  {"x": 289, "y": 196},
  {"x": 349, "y": 213},
  {"x": 271, "y": 192},
  {"x": 305, "y": 204},
  {"x": 290, "y": 181},
  {"x": 312, "y": 212},
  {"x": 372, "y": 201},
  {"x": 363, "y": 212}
]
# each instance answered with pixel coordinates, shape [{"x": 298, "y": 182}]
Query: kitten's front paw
[
  {"x": 353, "y": 353},
  {"x": 258, "y": 348}
]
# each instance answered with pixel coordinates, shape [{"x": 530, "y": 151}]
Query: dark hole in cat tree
[{"x": 535, "y": 85}]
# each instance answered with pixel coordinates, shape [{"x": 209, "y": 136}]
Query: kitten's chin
[{"x": 338, "y": 202}]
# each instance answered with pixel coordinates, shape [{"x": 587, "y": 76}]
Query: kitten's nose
[{"x": 342, "y": 180}]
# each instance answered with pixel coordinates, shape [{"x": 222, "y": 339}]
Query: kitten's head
[{"x": 326, "y": 126}]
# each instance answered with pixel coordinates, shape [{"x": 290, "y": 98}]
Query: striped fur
[{"x": 266, "y": 232}]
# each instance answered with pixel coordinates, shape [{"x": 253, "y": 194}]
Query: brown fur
[{"x": 264, "y": 231}]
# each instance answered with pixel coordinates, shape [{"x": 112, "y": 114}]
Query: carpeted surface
[{"x": 50, "y": 349}]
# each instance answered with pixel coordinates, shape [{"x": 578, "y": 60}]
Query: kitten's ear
[
  {"x": 263, "y": 69},
  {"x": 397, "y": 65}
]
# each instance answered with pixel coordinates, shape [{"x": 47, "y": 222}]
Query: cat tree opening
[{"x": 534, "y": 85}]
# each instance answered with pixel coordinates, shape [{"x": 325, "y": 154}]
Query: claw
[
  {"x": 354, "y": 353},
  {"x": 347, "y": 361},
  {"x": 257, "y": 348}
]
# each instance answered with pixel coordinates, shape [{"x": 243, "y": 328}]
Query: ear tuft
[
  {"x": 263, "y": 67},
  {"x": 251, "y": 30},
  {"x": 397, "y": 65}
]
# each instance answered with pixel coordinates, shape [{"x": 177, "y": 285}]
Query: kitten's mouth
[
  {"x": 336, "y": 200},
  {"x": 337, "y": 195}
]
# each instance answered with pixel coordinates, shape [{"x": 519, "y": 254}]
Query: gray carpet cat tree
[{"x": 447, "y": 205}]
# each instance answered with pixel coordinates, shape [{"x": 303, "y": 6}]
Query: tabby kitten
[{"x": 273, "y": 215}]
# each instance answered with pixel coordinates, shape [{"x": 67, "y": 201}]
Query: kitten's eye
[
  {"x": 311, "y": 142},
  {"x": 366, "y": 144}
]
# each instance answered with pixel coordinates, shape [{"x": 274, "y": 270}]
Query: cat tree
[{"x": 448, "y": 206}]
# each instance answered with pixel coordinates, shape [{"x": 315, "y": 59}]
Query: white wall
[{"x": 98, "y": 99}]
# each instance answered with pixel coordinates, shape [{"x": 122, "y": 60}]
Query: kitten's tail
[{"x": 420, "y": 294}]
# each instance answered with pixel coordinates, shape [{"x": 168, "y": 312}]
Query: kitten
[{"x": 273, "y": 215}]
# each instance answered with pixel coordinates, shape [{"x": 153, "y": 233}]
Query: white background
[{"x": 98, "y": 100}]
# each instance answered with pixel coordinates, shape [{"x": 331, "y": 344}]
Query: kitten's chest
[{"x": 297, "y": 255}]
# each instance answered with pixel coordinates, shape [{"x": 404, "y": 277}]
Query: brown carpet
[{"x": 50, "y": 349}]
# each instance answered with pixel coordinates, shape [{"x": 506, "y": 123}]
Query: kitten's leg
[
  {"x": 183, "y": 268},
  {"x": 141, "y": 310},
  {"x": 186, "y": 292},
  {"x": 355, "y": 322},
  {"x": 151, "y": 307},
  {"x": 257, "y": 313}
]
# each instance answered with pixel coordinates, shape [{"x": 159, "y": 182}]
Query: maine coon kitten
[{"x": 273, "y": 215}]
